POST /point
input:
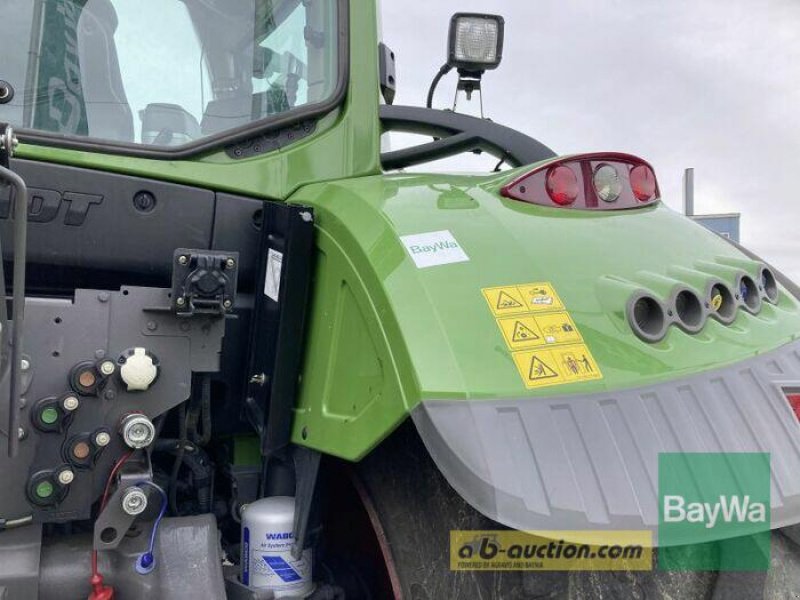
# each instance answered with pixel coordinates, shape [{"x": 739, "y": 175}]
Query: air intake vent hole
[
  {"x": 769, "y": 284},
  {"x": 749, "y": 293},
  {"x": 689, "y": 310},
  {"x": 648, "y": 320},
  {"x": 722, "y": 303}
]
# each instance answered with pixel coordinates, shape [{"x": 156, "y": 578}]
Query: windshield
[{"x": 163, "y": 72}]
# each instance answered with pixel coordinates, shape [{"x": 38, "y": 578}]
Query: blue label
[
  {"x": 282, "y": 569},
  {"x": 246, "y": 556}
]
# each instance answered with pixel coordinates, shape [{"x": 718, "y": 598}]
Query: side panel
[
  {"x": 351, "y": 394},
  {"x": 387, "y": 334}
]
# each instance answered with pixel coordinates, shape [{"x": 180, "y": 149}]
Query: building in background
[{"x": 726, "y": 225}]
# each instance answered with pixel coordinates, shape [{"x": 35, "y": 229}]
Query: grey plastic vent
[
  {"x": 689, "y": 314},
  {"x": 749, "y": 294},
  {"x": 769, "y": 285},
  {"x": 724, "y": 309},
  {"x": 647, "y": 317}
]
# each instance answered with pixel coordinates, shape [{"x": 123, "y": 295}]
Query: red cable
[{"x": 99, "y": 591}]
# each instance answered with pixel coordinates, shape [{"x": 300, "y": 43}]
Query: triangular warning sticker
[
  {"x": 506, "y": 301},
  {"x": 523, "y": 333},
  {"x": 539, "y": 370}
]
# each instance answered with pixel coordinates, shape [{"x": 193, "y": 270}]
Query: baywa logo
[
  {"x": 714, "y": 511},
  {"x": 434, "y": 248},
  {"x": 728, "y": 508}
]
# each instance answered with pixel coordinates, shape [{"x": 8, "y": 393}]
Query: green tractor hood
[{"x": 508, "y": 331}]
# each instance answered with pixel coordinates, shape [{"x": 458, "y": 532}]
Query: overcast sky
[{"x": 709, "y": 84}]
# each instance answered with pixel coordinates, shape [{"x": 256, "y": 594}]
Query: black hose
[
  {"x": 442, "y": 72},
  {"x": 205, "y": 407},
  {"x": 176, "y": 467},
  {"x": 20, "y": 248},
  {"x": 200, "y": 411}
]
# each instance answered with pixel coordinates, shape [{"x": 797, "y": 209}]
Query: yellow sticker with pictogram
[
  {"x": 521, "y": 332},
  {"x": 505, "y": 300},
  {"x": 556, "y": 366},
  {"x": 540, "y": 297},
  {"x": 541, "y": 335},
  {"x": 558, "y": 328},
  {"x": 528, "y": 297}
]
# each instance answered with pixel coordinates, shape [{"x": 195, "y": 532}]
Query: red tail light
[
  {"x": 602, "y": 181},
  {"x": 643, "y": 183},
  {"x": 562, "y": 185}
]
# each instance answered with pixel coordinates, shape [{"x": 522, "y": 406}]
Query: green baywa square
[{"x": 714, "y": 511}]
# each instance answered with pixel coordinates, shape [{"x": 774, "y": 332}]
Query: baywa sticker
[
  {"x": 544, "y": 341},
  {"x": 434, "y": 248}
]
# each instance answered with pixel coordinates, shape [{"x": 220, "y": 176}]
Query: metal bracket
[
  {"x": 276, "y": 336},
  {"x": 113, "y": 522},
  {"x": 8, "y": 144},
  {"x": 306, "y": 463},
  {"x": 204, "y": 281}
]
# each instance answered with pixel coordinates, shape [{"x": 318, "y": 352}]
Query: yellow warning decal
[
  {"x": 556, "y": 366},
  {"x": 533, "y": 331},
  {"x": 530, "y": 297},
  {"x": 558, "y": 328},
  {"x": 544, "y": 341},
  {"x": 505, "y": 301},
  {"x": 540, "y": 297},
  {"x": 521, "y": 332}
]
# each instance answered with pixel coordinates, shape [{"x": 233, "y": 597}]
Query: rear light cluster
[
  {"x": 650, "y": 317},
  {"x": 605, "y": 181}
]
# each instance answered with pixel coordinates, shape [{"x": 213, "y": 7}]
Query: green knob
[
  {"x": 44, "y": 489},
  {"x": 49, "y": 415}
]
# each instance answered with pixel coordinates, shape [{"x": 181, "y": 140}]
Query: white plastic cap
[{"x": 139, "y": 371}]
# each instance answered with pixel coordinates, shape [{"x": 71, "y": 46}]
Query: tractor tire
[
  {"x": 413, "y": 509},
  {"x": 416, "y": 509}
]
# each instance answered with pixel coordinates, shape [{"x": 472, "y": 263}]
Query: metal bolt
[
  {"x": 227, "y": 304},
  {"x": 66, "y": 477},
  {"x": 70, "y": 403},
  {"x": 138, "y": 431},
  {"x": 259, "y": 379},
  {"x": 102, "y": 439},
  {"x": 230, "y": 263},
  {"x": 152, "y": 326},
  {"x": 109, "y": 394},
  {"x": 144, "y": 202},
  {"x": 107, "y": 367},
  {"x": 134, "y": 501},
  {"x": 25, "y": 364},
  {"x": 306, "y": 216},
  {"x": 180, "y": 301},
  {"x": 21, "y": 433},
  {"x": 103, "y": 296},
  {"x": 183, "y": 259}
]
